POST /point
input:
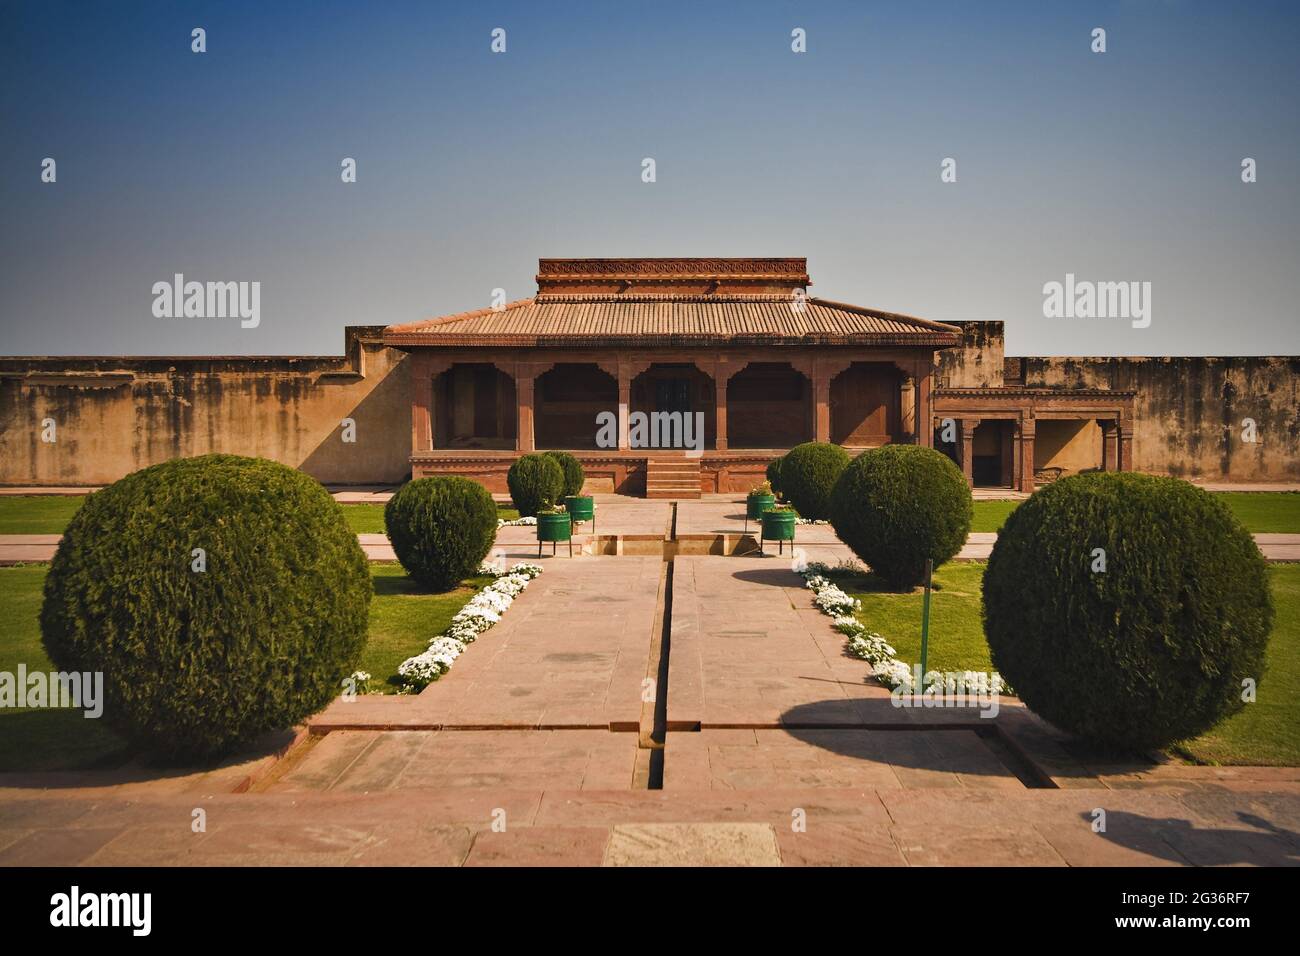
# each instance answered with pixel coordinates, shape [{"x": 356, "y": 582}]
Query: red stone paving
[
  {"x": 773, "y": 759},
  {"x": 749, "y": 649},
  {"x": 819, "y": 827},
  {"x": 572, "y": 651},
  {"x": 366, "y": 761}
]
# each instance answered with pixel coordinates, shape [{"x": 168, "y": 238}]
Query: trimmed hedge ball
[
  {"x": 808, "y": 473},
  {"x": 221, "y": 597},
  {"x": 574, "y": 476},
  {"x": 441, "y": 529},
  {"x": 1127, "y": 609},
  {"x": 535, "y": 481},
  {"x": 898, "y": 505}
]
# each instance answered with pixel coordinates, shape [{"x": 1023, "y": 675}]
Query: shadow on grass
[
  {"x": 402, "y": 585},
  {"x": 867, "y": 582}
]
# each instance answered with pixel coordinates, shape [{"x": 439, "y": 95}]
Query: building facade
[{"x": 739, "y": 346}]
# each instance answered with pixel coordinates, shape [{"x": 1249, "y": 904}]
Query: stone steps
[{"x": 672, "y": 478}]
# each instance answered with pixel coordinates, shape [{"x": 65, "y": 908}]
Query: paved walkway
[
  {"x": 749, "y": 649},
  {"x": 573, "y": 651}
]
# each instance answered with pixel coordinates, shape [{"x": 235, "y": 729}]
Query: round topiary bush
[
  {"x": 774, "y": 474},
  {"x": 898, "y": 505},
  {"x": 808, "y": 473},
  {"x": 441, "y": 529},
  {"x": 574, "y": 476},
  {"x": 220, "y": 597},
  {"x": 535, "y": 481},
  {"x": 1127, "y": 609}
]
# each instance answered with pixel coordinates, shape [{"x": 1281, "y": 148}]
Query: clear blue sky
[{"x": 225, "y": 165}]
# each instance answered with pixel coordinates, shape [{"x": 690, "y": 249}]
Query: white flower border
[
  {"x": 875, "y": 650},
  {"x": 480, "y": 613}
]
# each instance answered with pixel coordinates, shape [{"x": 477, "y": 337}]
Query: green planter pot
[
  {"x": 755, "y": 505},
  {"x": 777, "y": 526},
  {"x": 581, "y": 508},
  {"x": 554, "y": 528}
]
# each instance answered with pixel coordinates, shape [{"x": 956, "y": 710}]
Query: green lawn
[
  {"x": 369, "y": 519},
  {"x": 956, "y": 634},
  {"x": 989, "y": 515},
  {"x": 42, "y": 739},
  {"x": 1267, "y": 732},
  {"x": 37, "y": 514},
  {"x": 1259, "y": 511},
  {"x": 402, "y": 620},
  {"x": 50, "y": 514}
]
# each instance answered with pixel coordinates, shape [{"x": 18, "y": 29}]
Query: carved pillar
[
  {"x": 822, "y": 406},
  {"x": 525, "y": 379},
  {"x": 720, "y": 408},
  {"x": 1027, "y": 429},
  {"x": 1125, "y": 429},
  {"x": 907, "y": 408},
  {"x": 1109, "y": 445},
  {"x": 624, "y": 404},
  {"x": 968, "y": 449},
  {"x": 924, "y": 417}
]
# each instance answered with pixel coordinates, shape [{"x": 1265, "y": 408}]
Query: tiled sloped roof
[{"x": 663, "y": 319}]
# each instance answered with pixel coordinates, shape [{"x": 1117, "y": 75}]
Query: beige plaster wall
[{"x": 114, "y": 416}]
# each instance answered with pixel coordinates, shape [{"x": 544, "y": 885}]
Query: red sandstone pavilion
[{"x": 738, "y": 340}]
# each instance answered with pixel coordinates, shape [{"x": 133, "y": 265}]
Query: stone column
[
  {"x": 968, "y": 449},
  {"x": 421, "y": 403},
  {"x": 524, "y": 382},
  {"x": 924, "y": 417},
  {"x": 1109, "y": 445},
  {"x": 624, "y": 406},
  {"x": 1027, "y": 429},
  {"x": 821, "y": 406},
  {"x": 1125, "y": 429},
  {"x": 720, "y": 409},
  {"x": 907, "y": 408}
]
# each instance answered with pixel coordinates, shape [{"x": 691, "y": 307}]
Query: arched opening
[
  {"x": 474, "y": 405},
  {"x": 567, "y": 400},
  {"x": 684, "y": 400},
  {"x": 769, "y": 405},
  {"x": 865, "y": 409}
]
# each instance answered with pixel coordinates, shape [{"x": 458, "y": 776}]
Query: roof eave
[{"x": 417, "y": 339}]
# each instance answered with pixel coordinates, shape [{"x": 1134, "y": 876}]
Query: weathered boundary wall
[
  {"x": 113, "y": 416},
  {"x": 1189, "y": 412}
]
